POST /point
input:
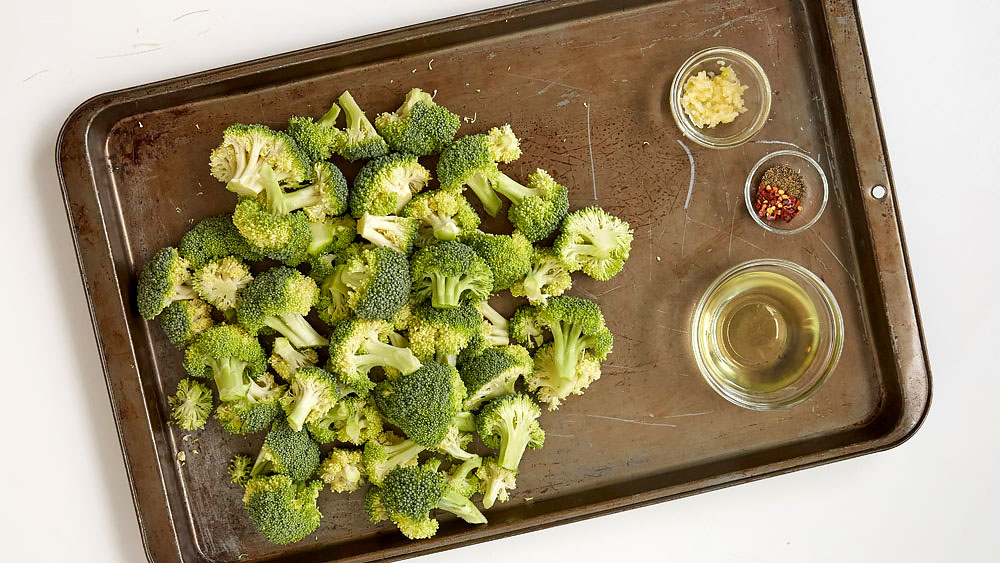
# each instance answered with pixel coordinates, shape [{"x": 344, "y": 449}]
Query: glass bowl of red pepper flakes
[{"x": 779, "y": 211}]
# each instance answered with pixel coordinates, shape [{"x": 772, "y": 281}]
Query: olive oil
[{"x": 759, "y": 333}]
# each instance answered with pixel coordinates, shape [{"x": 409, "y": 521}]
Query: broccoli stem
[
  {"x": 447, "y": 291},
  {"x": 513, "y": 442},
  {"x": 357, "y": 124},
  {"x": 511, "y": 189},
  {"x": 532, "y": 288},
  {"x": 263, "y": 464},
  {"x": 445, "y": 228},
  {"x": 493, "y": 489},
  {"x": 484, "y": 191},
  {"x": 568, "y": 345},
  {"x": 296, "y": 329},
  {"x": 246, "y": 180},
  {"x": 228, "y": 374},
  {"x": 181, "y": 293},
  {"x": 378, "y": 353},
  {"x": 329, "y": 118},
  {"x": 465, "y": 421},
  {"x": 280, "y": 202},
  {"x": 461, "y": 507},
  {"x": 304, "y": 404}
]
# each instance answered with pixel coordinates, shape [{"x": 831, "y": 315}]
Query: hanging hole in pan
[{"x": 879, "y": 192}]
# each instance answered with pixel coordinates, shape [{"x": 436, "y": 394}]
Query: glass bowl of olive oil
[{"x": 767, "y": 334}]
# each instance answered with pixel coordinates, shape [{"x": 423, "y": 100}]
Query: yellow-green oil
[{"x": 760, "y": 332}]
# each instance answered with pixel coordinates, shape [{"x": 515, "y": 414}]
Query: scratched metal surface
[{"x": 588, "y": 93}]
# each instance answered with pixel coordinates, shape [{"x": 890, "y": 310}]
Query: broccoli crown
[
  {"x": 386, "y": 452},
  {"x": 510, "y": 424},
  {"x": 183, "y": 320},
  {"x": 311, "y": 393},
  {"x": 359, "y": 139},
  {"x": 595, "y": 242},
  {"x": 239, "y": 469},
  {"x": 547, "y": 379},
  {"x": 454, "y": 444},
  {"x": 509, "y": 256},
  {"x": 284, "y": 237},
  {"x": 230, "y": 356},
  {"x": 390, "y": 231},
  {"x": 495, "y": 482},
  {"x": 408, "y": 494},
  {"x": 443, "y": 214},
  {"x": 331, "y": 235},
  {"x": 378, "y": 282},
  {"x": 442, "y": 333},
  {"x": 280, "y": 298},
  {"x": 536, "y": 209},
  {"x": 215, "y": 237},
  {"x": 449, "y": 273},
  {"x": 462, "y": 478},
  {"x": 325, "y": 196},
  {"x": 576, "y": 325},
  {"x": 219, "y": 281},
  {"x": 163, "y": 280},
  {"x": 419, "y": 126},
  {"x": 282, "y": 510},
  {"x": 548, "y": 277},
  {"x": 247, "y": 149},
  {"x": 422, "y": 403},
  {"x": 342, "y": 470},
  {"x": 524, "y": 326},
  {"x": 385, "y": 185},
  {"x": 469, "y": 161},
  {"x": 318, "y": 139},
  {"x": 285, "y": 358},
  {"x": 191, "y": 405},
  {"x": 505, "y": 147},
  {"x": 288, "y": 452},
  {"x": 354, "y": 420},
  {"x": 357, "y": 346},
  {"x": 493, "y": 373},
  {"x": 245, "y": 417}
]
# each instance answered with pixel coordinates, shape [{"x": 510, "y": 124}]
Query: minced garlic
[{"x": 711, "y": 99}]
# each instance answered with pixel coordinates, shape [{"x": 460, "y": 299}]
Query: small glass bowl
[
  {"x": 829, "y": 340},
  {"x": 757, "y": 98},
  {"x": 813, "y": 202}
]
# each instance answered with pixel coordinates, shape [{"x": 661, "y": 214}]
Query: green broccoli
[
  {"x": 470, "y": 162},
  {"x": 579, "y": 342},
  {"x": 165, "y": 278},
  {"x": 509, "y": 256},
  {"x": 443, "y": 215},
  {"x": 536, "y": 209},
  {"x": 386, "y": 184},
  {"x": 280, "y": 298},
  {"x": 288, "y": 452},
  {"x": 442, "y": 333},
  {"x": 359, "y": 139},
  {"x": 354, "y": 420},
  {"x": 342, "y": 470},
  {"x": 285, "y": 358},
  {"x": 311, "y": 393},
  {"x": 449, "y": 273},
  {"x": 419, "y": 126},
  {"x": 183, "y": 320},
  {"x": 378, "y": 283},
  {"x": 494, "y": 373},
  {"x": 282, "y": 510},
  {"x": 285, "y": 238},
  {"x": 422, "y": 403},
  {"x": 495, "y": 326},
  {"x": 255, "y": 412},
  {"x": 319, "y": 139},
  {"x": 505, "y": 147},
  {"x": 387, "y": 452},
  {"x": 191, "y": 405},
  {"x": 357, "y": 346},
  {"x": 230, "y": 356},
  {"x": 595, "y": 242},
  {"x": 215, "y": 237},
  {"x": 408, "y": 494},
  {"x": 219, "y": 281},
  {"x": 324, "y": 196},
  {"x": 331, "y": 235},
  {"x": 509, "y": 424},
  {"x": 548, "y": 277},
  {"x": 389, "y": 231},
  {"x": 462, "y": 478},
  {"x": 454, "y": 444},
  {"x": 246, "y": 149},
  {"x": 239, "y": 470},
  {"x": 495, "y": 482}
]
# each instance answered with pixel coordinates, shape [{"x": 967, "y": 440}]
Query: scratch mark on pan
[
  {"x": 732, "y": 21},
  {"x": 679, "y": 330},
  {"x": 182, "y": 16},
  {"x": 732, "y": 231},
  {"x": 786, "y": 143},
  {"x": 718, "y": 230},
  {"x": 628, "y": 420},
  {"x": 549, "y": 82},
  {"x": 687, "y": 201},
  {"x": 590, "y": 146},
  {"x": 132, "y": 53},
  {"x": 35, "y": 74},
  {"x": 837, "y": 258},
  {"x": 560, "y": 435},
  {"x": 688, "y": 414}
]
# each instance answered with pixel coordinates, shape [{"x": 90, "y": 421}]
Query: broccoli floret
[
  {"x": 254, "y": 413},
  {"x": 191, "y": 405},
  {"x": 280, "y": 298},
  {"x": 454, "y": 444},
  {"x": 547, "y": 382},
  {"x": 462, "y": 478},
  {"x": 342, "y": 470},
  {"x": 442, "y": 333},
  {"x": 239, "y": 469},
  {"x": 389, "y": 231},
  {"x": 165, "y": 278},
  {"x": 246, "y": 149},
  {"x": 324, "y": 196},
  {"x": 311, "y": 393},
  {"x": 230, "y": 356},
  {"x": 183, "y": 320},
  {"x": 449, "y": 273},
  {"x": 285, "y": 238},
  {"x": 285, "y": 358},
  {"x": 536, "y": 209},
  {"x": 282, "y": 510},
  {"x": 505, "y": 147},
  {"x": 386, "y": 184},
  {"x": 375, "y": 284},
  {"x": 331, "y": 235},
  {"x": 443, "y": 215},
  {"x": 493, "y": 374},
  {"x": 408, "y": 494},
  {"x": 495, "y": 482},
  {"x": 357, "y": 346},
  {"x": 354, "y": 420},
  {"x": 387, "y": 452},
  {"x": 595, "y": 242},
  {"x": 524, "y": 326},
  {"x": 509, "y": 256},
  {"x": 470, "y": 162},
  {"x": 509, "y": 424},
  {"x": 419, "y": 126},
  {"x": 287, "y": 452},
  {"x": 422, "y": 403},
  {"x": 318, "y": 139},
  {"x": 359, "y": 139},
  {"x": 548, "y": 277},
  {"x": 219, "y": 281},
  {"x": 495, "y": 326},
  {"x": 215, "y": 237}
]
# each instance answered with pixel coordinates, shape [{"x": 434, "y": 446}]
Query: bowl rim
[
  {"x": 694, "y": 134},
  {"x": 749, "y": 188},
  {"x": 760, "y": 402}
]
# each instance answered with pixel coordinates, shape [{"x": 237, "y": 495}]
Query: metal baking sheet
[{"x": 585, "y": 83}]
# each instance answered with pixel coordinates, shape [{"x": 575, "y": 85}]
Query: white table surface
[{"x": 65, "y": 492}]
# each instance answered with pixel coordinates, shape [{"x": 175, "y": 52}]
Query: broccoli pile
[{"x": 347, "y": 321}]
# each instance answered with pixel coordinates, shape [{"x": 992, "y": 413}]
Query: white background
[{"x": 65, "y": 495}]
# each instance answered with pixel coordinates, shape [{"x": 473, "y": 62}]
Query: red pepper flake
[{"x": 774, "y": 204}]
